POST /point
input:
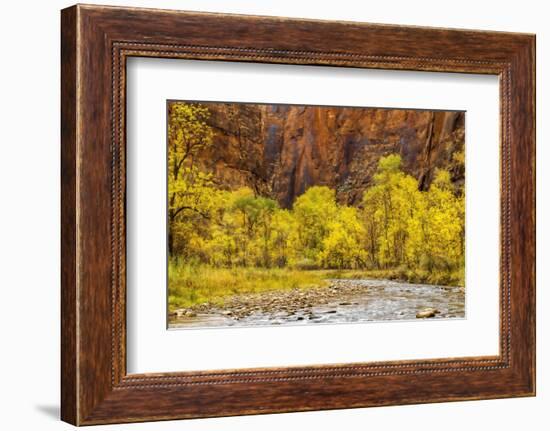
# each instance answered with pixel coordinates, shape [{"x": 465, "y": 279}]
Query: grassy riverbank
[
  {"x": 190, "y": 285},
  {"x": 196, "y": 284},
  {"x": 436, "y": 277}
]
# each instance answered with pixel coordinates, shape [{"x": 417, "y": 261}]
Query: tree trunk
[{"x": 170, "y": 235}]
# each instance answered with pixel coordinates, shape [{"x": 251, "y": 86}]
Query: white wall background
[{"x": 29, "y": 215}]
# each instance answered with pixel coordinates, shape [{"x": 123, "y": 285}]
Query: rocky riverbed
[{"x": 342, "y": 301}]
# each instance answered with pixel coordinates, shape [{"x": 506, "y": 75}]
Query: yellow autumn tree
[
  {"x": 191, "y": 196},
  {"x": 343, "y": 244},
  {"x": 445, "y": 230},
  {"x": 389, "y": 205},
  {"x": 314, "y": 211},
  {"x": 406, "y": 227},
  {"x": 284, "y": 238}
]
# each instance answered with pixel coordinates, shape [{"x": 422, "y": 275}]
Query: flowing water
[{"x": 345, "y": 301}]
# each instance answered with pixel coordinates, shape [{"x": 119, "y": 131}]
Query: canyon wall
[{"x": 281, "y": 150}]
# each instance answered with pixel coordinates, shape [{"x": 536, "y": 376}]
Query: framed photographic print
[{"x": 266, "y": 215}]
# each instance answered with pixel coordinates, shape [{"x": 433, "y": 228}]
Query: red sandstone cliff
[{"x": 281, "y": 150}]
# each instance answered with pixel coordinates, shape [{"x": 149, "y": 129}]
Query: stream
[{"x": 343, "y": 301}]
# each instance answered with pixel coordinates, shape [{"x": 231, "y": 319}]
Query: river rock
[{"x": 427, "y": 312}]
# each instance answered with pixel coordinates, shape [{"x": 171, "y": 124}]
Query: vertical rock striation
[{"x": 281, "y": 150}]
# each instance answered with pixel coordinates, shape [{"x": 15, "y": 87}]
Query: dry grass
[{"x": 195, "y": 284}]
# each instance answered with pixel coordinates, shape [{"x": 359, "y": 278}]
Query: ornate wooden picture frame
[{"x": 96, "y": 41}]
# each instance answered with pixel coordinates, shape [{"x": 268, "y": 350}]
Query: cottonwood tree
[
  {"x": 314, "y": 211},
  {"x": 343, "y": 245},
  {"x": 189, "y": 187}
]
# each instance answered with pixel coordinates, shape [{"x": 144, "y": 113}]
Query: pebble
[{"x": 291, "y": 304}]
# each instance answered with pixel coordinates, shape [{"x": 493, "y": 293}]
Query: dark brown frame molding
[{"x": 95, "y": 43}]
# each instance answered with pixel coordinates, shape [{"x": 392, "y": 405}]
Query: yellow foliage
[{"x": 395, "y": 226}]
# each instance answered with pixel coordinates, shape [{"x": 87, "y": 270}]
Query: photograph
[{"x": 299, "y": 214}]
